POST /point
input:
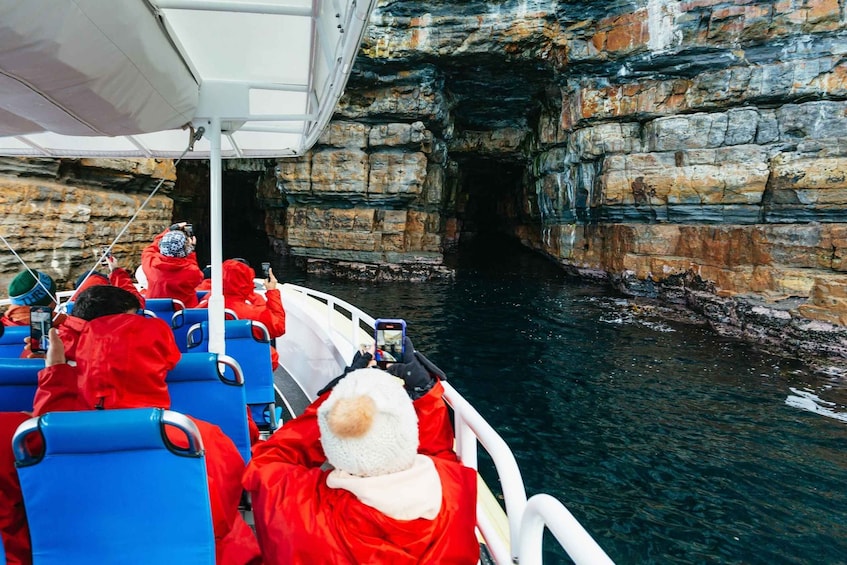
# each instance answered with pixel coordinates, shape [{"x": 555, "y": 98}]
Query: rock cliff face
[
  {"x": 692, "y": 151},
  {"x": 58, "y": 213},
  {"x": 688, "y": 151}
]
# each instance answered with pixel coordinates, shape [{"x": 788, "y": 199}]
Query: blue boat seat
[
  {"x": 198, "y": 387},
  {"x": 254, "y": 356},
  {"x": 111, "y": 487},
  {"x": 18, "y": 382},
  {"x": 182, "y": 321},
  {"x": 12, "y": 341},
  {"x": 164, "y": 308}
]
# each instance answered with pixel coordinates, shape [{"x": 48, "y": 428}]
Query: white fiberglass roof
[{"x": 130, "y": 78}]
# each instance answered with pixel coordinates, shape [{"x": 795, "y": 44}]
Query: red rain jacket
[
  {"x": 170, "y": 277},
  {"x": 122, "y": 361},
  {"x": 16, "y": 316},
  {"x": 13, "y": 527},
  {"x": 241, "y": 297},
  {"x": 300, "y": 520}
]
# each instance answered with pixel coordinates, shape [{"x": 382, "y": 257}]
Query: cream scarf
[{"x": 405, "y": 495}]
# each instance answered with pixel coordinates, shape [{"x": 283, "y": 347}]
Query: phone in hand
[
  {"x": 390, "y": 337},
  {"x": 266, "y": 267},
  {"x": 40, "y": 322},
  {"x": 104, "y": 255},
  {"x": 189, "y": 230}
]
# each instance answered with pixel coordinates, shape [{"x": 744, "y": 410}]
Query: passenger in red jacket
[
  {"x": 241, "y": 297},
  {"x": 118, "y": 276},
  {"x": 396, "y": 494},
  {"x": 122, "y": 361},
  {"x": 170, "y": 265}
]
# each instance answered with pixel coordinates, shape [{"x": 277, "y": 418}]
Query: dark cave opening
[
  {"x": 243, "y": 220},
  {"x": 489, "y": 199}
]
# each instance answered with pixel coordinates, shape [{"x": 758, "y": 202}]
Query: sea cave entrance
[
  {"x": 490, "y": 202},
  {"x": 243, "y": 219}
]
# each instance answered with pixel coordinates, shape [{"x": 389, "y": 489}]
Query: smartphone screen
[
  {"x": 266, "y": 267},
  {"x": 389, "y": 337},
  {"x": 40, "y": 321}
]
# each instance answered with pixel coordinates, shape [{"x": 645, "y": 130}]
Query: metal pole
[{"x": 216, "y": 300}]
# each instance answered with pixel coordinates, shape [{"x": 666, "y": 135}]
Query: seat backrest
[
  {"x": 248, "y": 342},
  {"x": 18, "y": 382},
  {"x": 164, "y": 308},
  {"x": 12, "y": 341},
  {"x": 199, "y": 388},
  {"x": 116, "y": 486},
  {"x": 182, "y": 320}
]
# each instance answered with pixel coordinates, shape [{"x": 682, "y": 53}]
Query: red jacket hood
[
  {"x": 123, "y": 360},
  {"x": 237, "y": 279},
  {"x": 69, "y": 333}
]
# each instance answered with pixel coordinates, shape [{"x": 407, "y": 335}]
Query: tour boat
[{"x": 215, "y": 79}]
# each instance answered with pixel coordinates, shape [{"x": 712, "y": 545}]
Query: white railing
[
  {"x": 527, "y": 519},
  {"x": 354, "y": 315},
  {"x": 543, "y": 510}
]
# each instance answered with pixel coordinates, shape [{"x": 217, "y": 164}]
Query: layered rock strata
[
  {"x": 58, "y": 213},
  {"x": 691, "y": 151}
]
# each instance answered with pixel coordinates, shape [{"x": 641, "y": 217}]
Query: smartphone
[
  {"x": 390, "y": 335},
  {"x": 40, "y": 322},
  {"x": 189, "y": 230},
  {"x": 104, "y": 255},
  {"x": 266, "y": 267}
]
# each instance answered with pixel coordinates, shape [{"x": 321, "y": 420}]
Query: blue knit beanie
[{"x": 24, "y": 290}]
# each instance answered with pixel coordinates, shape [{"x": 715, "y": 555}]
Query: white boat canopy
[
  {"x": 132, "y": 78},
  {"x": 137, "y": 78}
]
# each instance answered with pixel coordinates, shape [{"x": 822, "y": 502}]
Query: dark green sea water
[{"x": 669, "y": 443}]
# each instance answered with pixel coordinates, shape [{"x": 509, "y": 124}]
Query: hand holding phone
[
  {"x": 107, "y": 259},
  {"x": 390, "y": 336},
  {"x": 56, "y": 350},
  {"x": 266, "y": 268},
  {"x": 40, "y": 322}
]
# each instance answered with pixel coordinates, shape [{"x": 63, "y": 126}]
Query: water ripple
[{"x": 669, "y": 443}]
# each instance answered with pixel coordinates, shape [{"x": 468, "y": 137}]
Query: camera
[
  {"x": 390, "y": 337},
  {"x": 188, "y": 229}
]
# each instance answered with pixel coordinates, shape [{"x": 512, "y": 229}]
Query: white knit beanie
[{"x": 368, "y": 425}]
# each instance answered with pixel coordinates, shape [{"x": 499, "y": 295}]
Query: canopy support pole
[{"x": 216, "y": 299}]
